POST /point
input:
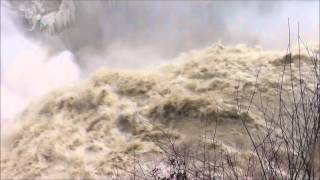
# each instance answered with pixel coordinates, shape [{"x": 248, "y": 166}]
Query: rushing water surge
[
  {"x": 85, "y": 93},
  {"x": 91, "y": 128}
]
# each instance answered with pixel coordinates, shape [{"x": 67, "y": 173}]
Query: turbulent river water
[{"x": 95, "y": 127}]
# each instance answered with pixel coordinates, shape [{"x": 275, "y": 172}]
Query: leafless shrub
[{"x": 289, "y": 148}]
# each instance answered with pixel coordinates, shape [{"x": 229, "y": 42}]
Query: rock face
[
  {"x": 89, "y": 130},
  {"x": 47, "y": 16}
]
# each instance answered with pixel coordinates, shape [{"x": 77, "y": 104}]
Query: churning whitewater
[{"x": 93, "y": 129}]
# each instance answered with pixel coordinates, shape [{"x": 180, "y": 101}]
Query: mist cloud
[
  {"x": 137, "y": 34},
  {"x": 169, "y": 28},
  {"x": 28, "y": 71}
]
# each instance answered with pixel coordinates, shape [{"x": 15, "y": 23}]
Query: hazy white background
[{"x": 138, "y": 35}]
